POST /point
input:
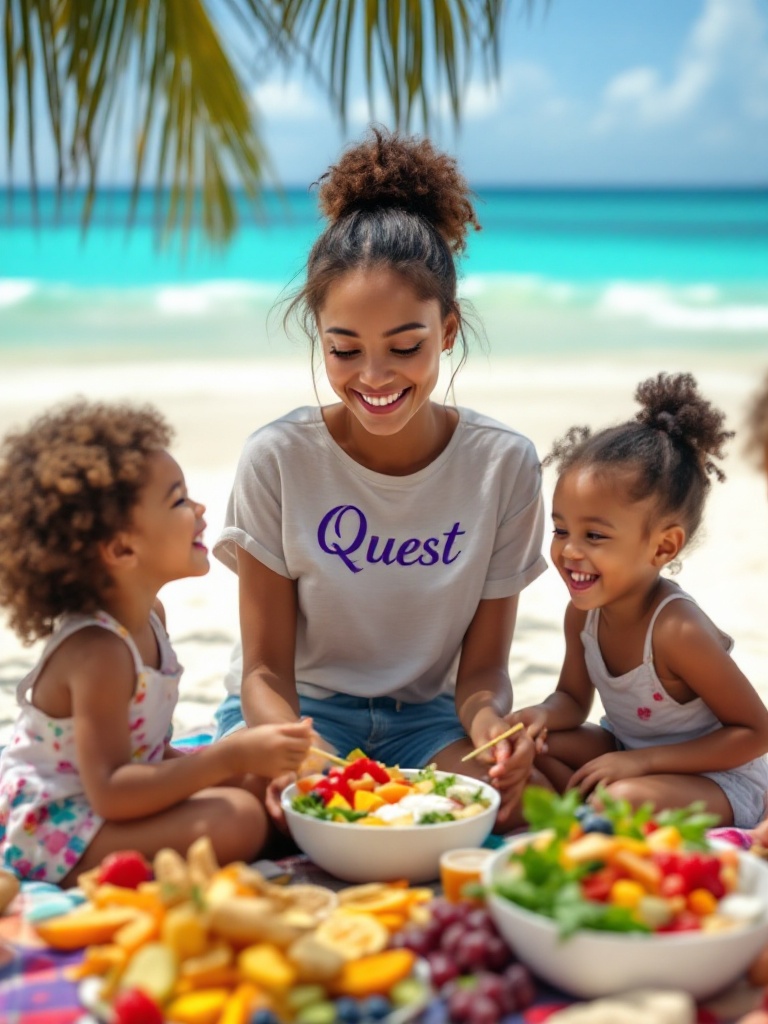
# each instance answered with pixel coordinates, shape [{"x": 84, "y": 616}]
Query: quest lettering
[{"x": 343, "y": 531}]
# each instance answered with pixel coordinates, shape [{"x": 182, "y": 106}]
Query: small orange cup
[{"x": 458, "y": 867}]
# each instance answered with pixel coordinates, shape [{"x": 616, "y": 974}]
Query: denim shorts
[{"x": 387, "y": 730}]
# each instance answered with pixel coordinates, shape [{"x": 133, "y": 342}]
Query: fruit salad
[
  {"x": 624, "y": 870},
  {"x": 365, "y": 792}
]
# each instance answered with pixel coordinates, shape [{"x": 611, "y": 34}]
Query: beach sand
[{"x": 215, "y": 405}]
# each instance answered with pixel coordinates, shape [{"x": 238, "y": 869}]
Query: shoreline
[{"x": 214, "y": 404}]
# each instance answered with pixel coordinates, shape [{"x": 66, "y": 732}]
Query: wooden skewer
[
  {"x": 329, "y": 757},
  {"x": 493, "y": 742}
]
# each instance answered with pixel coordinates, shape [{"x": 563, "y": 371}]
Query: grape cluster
[{"x": 470, "y": 964}]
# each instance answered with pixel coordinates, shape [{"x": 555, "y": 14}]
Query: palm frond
[
  {"x": 416, "y": 48},
  {"x": 196, "y": 134}
]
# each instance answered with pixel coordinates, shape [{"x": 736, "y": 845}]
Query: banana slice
[
  {"x": 315, "y": 900},
  {"x": 352, "y": 935}
]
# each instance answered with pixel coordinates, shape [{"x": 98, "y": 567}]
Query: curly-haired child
[
  {"x": 682, "y": 723},
  {"x": 94, "y": 519}
]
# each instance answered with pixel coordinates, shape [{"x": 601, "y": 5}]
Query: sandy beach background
[{"x": 214, "y": 404}]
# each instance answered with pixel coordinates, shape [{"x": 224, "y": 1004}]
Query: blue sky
[
  {"x": 602, "y": 92},
  {"x": 591, "y": 91}
]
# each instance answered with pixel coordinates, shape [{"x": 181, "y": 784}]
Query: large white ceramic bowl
[
  {"x": 591, "y": 964},
  {"x": 359, "y": 853}
]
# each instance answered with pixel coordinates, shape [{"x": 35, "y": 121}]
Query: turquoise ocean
[{"x": 552, "y": 272}]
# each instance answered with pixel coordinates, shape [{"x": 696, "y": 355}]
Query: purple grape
[
  {"x": 497, "y": 953},
  {"x": 478, "y": 919},
  {"x": 460, "y": 1004},
  {"x": 470, "y": 952},
  {"x": 415, "y": 938},
  {"x": 520, "y": 985},
  {"x": 492, "y": 986},
  {"x": 483, "y": 1011},
  {"x": 442, "y": 968},
  {"x": 452, "y": 937}
]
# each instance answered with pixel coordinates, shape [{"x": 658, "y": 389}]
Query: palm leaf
[{"x": 197, "y": 131}]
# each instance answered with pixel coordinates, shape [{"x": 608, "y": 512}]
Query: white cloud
[
  {"x": 279, "y": 97},
  {"x": 727, "y": 50}
]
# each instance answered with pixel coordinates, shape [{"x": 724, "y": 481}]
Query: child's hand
[
  {"x": 608, "y": 768},
  {"x": 534, "y": 719},
  {"x": 276, "y": 749}
]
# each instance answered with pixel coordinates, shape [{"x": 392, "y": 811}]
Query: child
[
  {"x": 681, "y": 721},
  {"x": 381, "y": 542},
  {"x": 94, "y": 519}
]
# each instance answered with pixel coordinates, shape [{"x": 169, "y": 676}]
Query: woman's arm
[
  {"x": 101, "y": 678},
  {"x": 483, "y": 686},
  {"x": 268, "y": 629}
]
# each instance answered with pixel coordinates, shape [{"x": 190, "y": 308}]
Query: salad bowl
[
  {"x": 360, "y": 853},
  {"x": 590, "y": 964}
]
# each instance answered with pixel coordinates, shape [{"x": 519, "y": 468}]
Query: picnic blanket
[{"x": 35, "y": 988}]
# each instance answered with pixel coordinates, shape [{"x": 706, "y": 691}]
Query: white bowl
[
  {"x": 360, "y": 853},
  {"x": 591, "y": 964}
]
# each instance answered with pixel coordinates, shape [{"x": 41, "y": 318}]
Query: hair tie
[{"x": 667, "y": 423}]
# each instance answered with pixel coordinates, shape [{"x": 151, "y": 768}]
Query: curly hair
[
  {"x": 391, "y": 201},
  {"x": 667, "y": 451},
  {"x": 757, "y": 423},
  {"x": 67, "y": 483}
]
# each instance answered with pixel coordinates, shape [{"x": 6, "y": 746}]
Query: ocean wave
[
  {"x": 681, "y": 309},
  {"x": 15, "y": 290}
]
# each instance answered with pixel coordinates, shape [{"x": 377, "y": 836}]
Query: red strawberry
[
  {"x": 135, "y": 1007},
  {"x": 126, "y": 868}
]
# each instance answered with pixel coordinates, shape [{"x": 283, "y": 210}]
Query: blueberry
[
  {"x": 264, "y": 1016},
  {"x": 348, "y": 1010},
  {"x": 583, "y": 811},
  {"x": 375, "y": 1008},
  {"x": 597, "y": 823}
]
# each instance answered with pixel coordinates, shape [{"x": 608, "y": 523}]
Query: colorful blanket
[{"x": 35, "y": 988}]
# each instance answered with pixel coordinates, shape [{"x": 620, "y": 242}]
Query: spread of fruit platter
[
  {"x": 623, "y": 870},
  {"x": 365, "y": 792}
]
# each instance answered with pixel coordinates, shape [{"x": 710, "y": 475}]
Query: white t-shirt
[{"x": 389, "y": 569}]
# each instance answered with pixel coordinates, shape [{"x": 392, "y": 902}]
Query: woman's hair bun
[
  {"x": 672, "y": 403},
  {"x": 391, "y": 170}
]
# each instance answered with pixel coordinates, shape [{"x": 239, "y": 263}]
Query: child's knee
[{"x": 243, "y": 830}]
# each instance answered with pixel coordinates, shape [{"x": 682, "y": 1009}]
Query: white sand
[{"x": 215, "y": 405}]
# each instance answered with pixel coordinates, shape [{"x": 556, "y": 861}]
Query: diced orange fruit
[
  {"x": 337, "y": 800},
  {"x": 307, "y": 782},
  {"x": 642, "y": 870},
  {"x": 267, "y": 967},
  {"x": 370, "y": 820},
  {"x": 202, "y": 1007},
  {"x": 374, "y": 975},
  {"x": 393, "y": 792},
  {"x": 365, "y": 801},
  {"x": 84, "y": 927}
]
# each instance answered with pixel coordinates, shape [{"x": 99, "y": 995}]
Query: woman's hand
[{"x": 510, "y": 760}]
